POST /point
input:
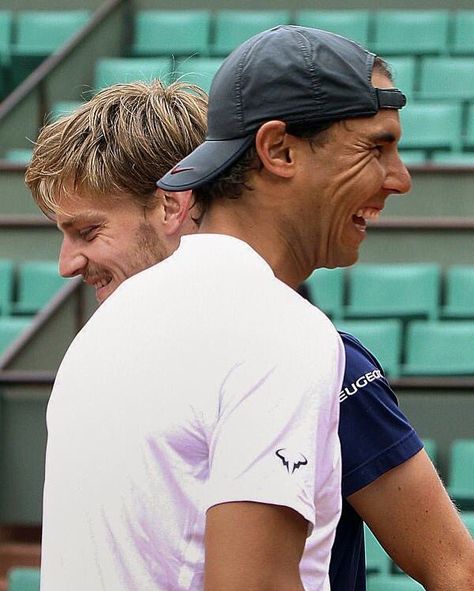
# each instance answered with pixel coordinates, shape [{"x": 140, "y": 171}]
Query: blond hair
[{"x": 120, "y": 142}]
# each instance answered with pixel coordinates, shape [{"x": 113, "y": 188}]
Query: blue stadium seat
[
  {"x": 459, "y": 283},
  {"x": 446, "y": 78},
  {"x": 377, "y": 560},
  {"x": 461, "y": 473}
]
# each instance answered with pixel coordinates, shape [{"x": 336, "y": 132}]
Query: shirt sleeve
[
  {"x": 374, "y": 433},
  {"x": 276, "y": 434}
]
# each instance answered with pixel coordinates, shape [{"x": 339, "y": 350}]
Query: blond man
[{"x": 94, "y": 173}]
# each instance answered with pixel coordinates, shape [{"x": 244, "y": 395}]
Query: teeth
[{"x": 368, "y": 213}]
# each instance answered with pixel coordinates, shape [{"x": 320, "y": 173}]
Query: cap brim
[{"x": 204, "y": 164}]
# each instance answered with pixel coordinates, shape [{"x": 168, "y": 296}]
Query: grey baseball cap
[{"x": 289, "y": 73}]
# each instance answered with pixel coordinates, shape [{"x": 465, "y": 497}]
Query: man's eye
[{"x": 88, "y": 233}]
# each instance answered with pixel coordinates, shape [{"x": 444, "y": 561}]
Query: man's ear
[
  {"x": 176, "y": 211},
  {"x": 275, "y": 148}
]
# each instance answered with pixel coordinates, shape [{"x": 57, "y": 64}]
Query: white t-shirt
[{"x": 201, "y": 380}]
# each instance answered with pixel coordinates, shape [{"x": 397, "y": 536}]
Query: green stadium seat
[
  {"x": 61, "y": 108},
  {"x": 463, "y": 33},
  {"x": 431, "y": 448},
  {"x": 377, "y": 560},
  {"x": 199, "y": 71},
  {"x": 232, "y": 27},
  {"x": 10, "y": 329},
  {"x": 468, "y": 520},
  {"x": 428, "y": 125},
  {"x": 171, "y": 32},
  {"x": 410, "y": 32},
  {"x": 399, "y": 582},
  {"x": 116, "y": 70},
  {"x": 5, "y": 36},
  {"x": 454, "y": 159},
  {"x": 403, "y": 70},
  {"x": 439, "y": 348},
  {"x": 24, "y": 579},
  {"x": 461, "y": 473},
  {"x": 39, "y": 33},
  {"x": 410, "y": 157},
  {"x": 38, "y": 282},
  {"x": 353, "y": 24},
  {"x": 394, "y": 291},
  {"x": 326, "y": 291},
  {"x": 19, "y": 155},
  {"x": 469, "y": 137},
  {"x": 446, "y": 78},
  {"x": 6, "y": 286},
  {"x": 383, "y": 338},
  {"x": 459, "y": 293},
  {"x": 5, "y": 46}
]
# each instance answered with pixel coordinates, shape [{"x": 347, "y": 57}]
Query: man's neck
[{"x": 270, "y": 237}]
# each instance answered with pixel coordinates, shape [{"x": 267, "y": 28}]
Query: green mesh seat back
[
  {"x": 469, "y": 137},
  {"x": 463, "y": 33},
  {"x": 233, "y": 27},
  {"x": 398, "y": 582},
  {"x": 410, "y": 157},
  {"x": 6, "y": 286},
  {"x": 403, "y": 71},
  {"x": 24, "y": 579},
  {"x": 443, "y": 347},
  {"x": 10, "y": 329},
  {"x": 38, "y": 282},
  {"x": 431, "y": 125},
  {"x": 394, "y": 290},
  {"x": 19, "y": 155},
  {"x": 171, "y": 32},
  {"x": 383, "y": 338},
  {"x": 459, "y": 292},
  {"x": 447, "y": 78},
  {"x": 353, "y": 24},
  {"x": 326, "y": 291},
  {"x": 110, "y": 71},
  {"x": 199, "y": 71},
  {"x": 42, "y": 32},
  {"x": 410, "y": 32},
  {"x": 377, "y": 560},
  {"x": 453, "y": 159},
  {"x": 5, "y": 36},
  {"x": 461, "y": 473}
]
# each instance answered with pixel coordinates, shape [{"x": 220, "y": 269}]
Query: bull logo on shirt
[{"x": 291, "y": 460}]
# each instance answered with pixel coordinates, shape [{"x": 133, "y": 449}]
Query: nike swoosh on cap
[{"x": 177, "y": 170}]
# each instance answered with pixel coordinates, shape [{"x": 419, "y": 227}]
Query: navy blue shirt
[{"x": 375, "y": 437}]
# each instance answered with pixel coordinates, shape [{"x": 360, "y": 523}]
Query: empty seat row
[
  {"x": 26, "y": 287},
  {"x": 27, "y": 37},
  {"x": 405, "y": 290},
  {"x": 388, "y": 32},
  {"x": 419, "y": 348}
]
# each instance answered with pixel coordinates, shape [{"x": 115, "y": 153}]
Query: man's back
[{"x": 195, "y": 393}]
